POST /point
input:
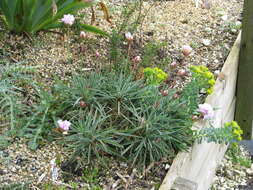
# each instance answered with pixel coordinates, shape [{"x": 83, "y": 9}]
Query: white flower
[
  {"x": 206, "y": 110},
  {"x": 68, "y": 19},
  {"x": 206, "y": 42},
  {"x": 129, "y": 36},
  {"x": 224, "y": 17}
]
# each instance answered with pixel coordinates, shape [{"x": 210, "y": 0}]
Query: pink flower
[
  {"x": 64, "y": 125},
  {"x": 98, "y": 54},
  {"x": 164, "y": 92},
  {"x": 186, "y": 49},
  {"x": 129, "y": 36},
  {"x": 137, "y": 59},
  {"x": 83, "y": 35},
  {"x": 68, "y": 19},
  {"x": 173, "y": 64},
  {"x": 181, "y": 72},
  {"x": 206, "y": 110}
]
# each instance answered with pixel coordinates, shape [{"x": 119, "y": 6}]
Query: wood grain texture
[
  {"x": 244, "y": 105},
  {"x": 199, "y": 164}
]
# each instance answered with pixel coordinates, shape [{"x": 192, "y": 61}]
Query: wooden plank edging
[{"x": 199, "y": 164}]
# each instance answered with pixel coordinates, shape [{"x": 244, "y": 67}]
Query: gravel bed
[{"x": 233, "y": 176}]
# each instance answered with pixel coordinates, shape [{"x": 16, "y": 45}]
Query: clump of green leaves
[
  {"x": 12, "y": 79},
  {"x": 31, "y": 16},
  {"x": 154, "y": 76},
  {"x": 16, "y": 186},
  {"x": 235, "y": 130},
  {"x": 234, "y": 152},
  {"x": 89, "y": 138},
  {"x": 123, "y": 118},
  {"x": 230, "y": 133},
  {"x": 42, "y": 116},
  {"x": 115, "y": 115},
  {"x": 91, "y": 175},
  {"x": 204, "y": 77},
  {"x": 155, "y": 53}
]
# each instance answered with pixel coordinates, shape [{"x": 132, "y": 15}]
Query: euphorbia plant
[{"x": 31, "y": 16}]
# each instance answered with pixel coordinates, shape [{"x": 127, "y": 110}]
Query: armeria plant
[
  {"x": 115, "y": 115},
  {"x": 31, "y": 16}
]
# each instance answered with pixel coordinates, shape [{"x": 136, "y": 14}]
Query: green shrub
[
  {"x": 31, "y": 16},
  {"x": 114, "y": 115},
  {"x": 127, "y": 119}
]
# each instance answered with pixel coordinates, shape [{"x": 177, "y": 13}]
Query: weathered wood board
[
  {"x": 244, "y": 93},
  {"x": 198, "y": 165}
]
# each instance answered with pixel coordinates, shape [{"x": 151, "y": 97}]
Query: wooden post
[{"x": 244, "y": 103}]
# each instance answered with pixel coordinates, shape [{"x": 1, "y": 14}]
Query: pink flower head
[
  {"x": 64, "y": 124},
  {"x": 129, "y": 36},
  {"x": 68, "y": 19},
  {"x": 98, "y": 54},
  {"x": 83, "y": 35},
  {"x": 173, "y": 64},
  {"x": 186, "y": 49},
  {"x": 137, "y": 59},
  {"x": 181, "y": 72},
  {"x": 206, "y": 110}
]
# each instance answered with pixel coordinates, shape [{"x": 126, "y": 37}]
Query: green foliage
[
  {"x": 155, "y": 53},
  {"x": 230, "y": 133},
  {"x": 128, "y": 21},
  {"x": 34, "y": 15},
  {"x": 88, "y": 138},
  {"x": 125, "y": 118},
  {"x": 50, "y": 106},
  {"x": 15, "y": 186},
  {"x": 217, "y": 135},
  {"x": 236, "y": 130},
  {"x": 122, "y": 117},
  {"x": 115, "y": 50},
  {"x": 95, "y": 187},
  {"x": 12, "y": 80},
  {"x": 235, "y": 154},
  {"x": 131, "y": 18},
  {"x": 113, "y": 115},
  {"x": 91, "y": 175},
  {"x": 204, "y": 77},
  {"x": 156, "y": 130},
  {"x": 4, "y": 142},
  {"x": 154, "y": 76},
  {"x": 51, "y": 186}
]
